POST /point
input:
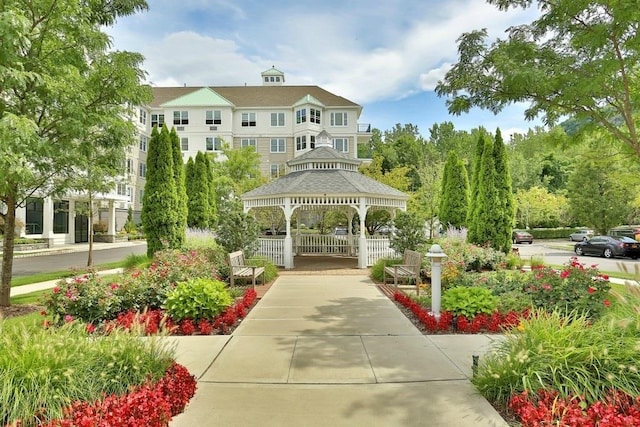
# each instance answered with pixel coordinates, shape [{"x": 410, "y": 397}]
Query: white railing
[
  {"x": 272, "y": 249},
  {"x": 378, "y": 247},
  {"x": 316, "y": 244},
  {"x": 324, "y": 244}
]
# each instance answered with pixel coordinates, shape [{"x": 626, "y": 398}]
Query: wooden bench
[
  {"x": 407, "y": 270},
  {"x": 239, "y": 269}
]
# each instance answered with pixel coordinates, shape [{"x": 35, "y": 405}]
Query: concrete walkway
[{"x": 332, "y": 350}]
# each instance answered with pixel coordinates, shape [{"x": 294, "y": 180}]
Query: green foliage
[
  {"x": 570, "y": 354},
  {"x": 58, "y": 366},
  {"x": 536, "y": 207},
  {"x": 377, "y": 270},
  {"x": 454, "y": 201},
  {"x": 159, "y": 215},
  {"x": 559, "y": 68},
  {"x": 236, "y": 229},
  {"x": 199, "y": 204},
  {"x": 505, "y": 209},
  {"x": 130, "y": 225},
  {"x": 181, "y": 191},
  {"x": 409, "y": 232},
  {"x": 472, "y": 212},
  {"x": 469, "y": 301},
  {"x": 197, "y": 299},
  {"x": 574, "y": 288}
]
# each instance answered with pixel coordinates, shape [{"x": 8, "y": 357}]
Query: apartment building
[{"x": 281, "y": 122}]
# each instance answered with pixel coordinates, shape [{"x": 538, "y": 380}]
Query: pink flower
[
  {"x": 91, "y": 328},
  {"x": 546, "y": 287},
  {"x": 56, "y": 290},
  {"x": 68, "y": 318},
  {"x": 114, "y": 286}
]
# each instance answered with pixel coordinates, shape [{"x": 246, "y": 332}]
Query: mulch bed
[{"x": 19, "y": 310}]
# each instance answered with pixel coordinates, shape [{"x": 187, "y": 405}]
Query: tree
[
  {"x": 505, "y": 209},
  {"x": 213, "y": 206},
  {"x": 454, "y": 201},
  {"x": 181, "y": 191},
  {"x": 578, "y": 59},
  {"x": 472, "y": 211},
  {"x": 159, "y": 202},
  {"x": 409, "y": 233},
  {"x": 59, "y": 85},
  {"x": 199, "y": 204},
  {"x": 236, "y": 229},
  {"x": 539, "y": 208},
  {"x": 191, "y": 186},
  {"x": 486, "y": 220},
  {"x": 425, "y": 201}
]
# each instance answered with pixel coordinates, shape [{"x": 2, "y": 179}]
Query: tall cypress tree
[
  {"x": 181, "y": 192},
  {"x": 454, "y": 202},
  {"x": 159, "y": 216},
  {"x": 192, "y": 188},
  {"x": 486, "y": 218},
  {"x": 213, "y": 205},
  {"x": 199, "y": 194},
  {"x": 473, "y": 232},
  {"x": 506, "y": 203}
]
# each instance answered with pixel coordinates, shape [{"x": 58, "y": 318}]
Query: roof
[
  {"x": 198, "y": 98},
  {"x": 254, "y": 96},
  {"x": 325, "y": 182},
  {"x": 324, "y": 153}
]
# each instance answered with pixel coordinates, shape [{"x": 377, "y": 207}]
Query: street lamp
[{"x": 436, "y": 255}]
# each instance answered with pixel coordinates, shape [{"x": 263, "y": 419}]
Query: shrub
[
  {"x": 468, "y": 302},
  {"x": 574, "y": 288},
  {"x": 197, "y": 299},
  {"x": 44, "y": 370}
]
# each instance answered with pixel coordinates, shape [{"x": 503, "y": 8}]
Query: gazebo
[{"x": 319, "y": 180}]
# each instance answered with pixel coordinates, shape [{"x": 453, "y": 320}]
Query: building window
[
  {"x": 277, "y": 145},
  {"x": 121, "y": 189},
  {"x": 61, "y": 217},
  {"x": 277, "y": 170},
  {"x": 338, "y": 119},
  {"x": 341, "y": 144},
  {"x": 141, "y": 193},
  {"x": 213, "y": 117},
  {"x": 314, "y": 115},
  {"x": 214, "y": 143},
  {"x": 312, "y": 142},
  {"x": 143, "y": 117},
  {"x": 301, "y": 116},
  {"x": 180, "y": 117},
  {"x": 249, "y": 142},
  {"x": 184, "y": 144},
  {"x": 143, "y": 170},
  {"x": 143, "y": 142},
  {"x": 157, "y": 120},
  {"x": 248, "y": 119},
  {"x": 277, "y": 119},
  {"x": 301, "y": 142},
  {"x": 34, "y": 216},
  {"x": 130, "y": 167}
]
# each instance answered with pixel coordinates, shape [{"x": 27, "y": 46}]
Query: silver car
[{"x": 581, "y": 235}]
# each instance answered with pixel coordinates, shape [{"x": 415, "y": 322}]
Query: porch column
[
  {"x": 111, "y": 222},
  {"x": 47, "y": 220},
  {"x": 363, "y": 255},
  {"x": 288, "y": 241}
]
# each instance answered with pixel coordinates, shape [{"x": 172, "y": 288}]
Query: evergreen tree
[
  {"x": 455, "y": 192},
  {"x": 486, "y": 218},
  {"x": 472, "y": 233},
  {"x": 191, "y": 187},
  {"x": 159, "y": 216},
  {"x": 181, "y": 192},
  {"x": 213, "y": 205},
  {"x": 199, "y": 205},
  {"x": 506, "y": 205}
]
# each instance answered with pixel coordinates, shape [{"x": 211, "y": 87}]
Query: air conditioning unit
[
  {"x": 179, "y": 128},
  {"x": 213, "y": 127}
]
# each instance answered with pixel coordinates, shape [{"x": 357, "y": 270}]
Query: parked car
[
  {"x": 609, "y": 247},
  {"x": 519, "y": 236},
  {"x": 581, "y": 235},
  {"x": 340, "y": 231}
]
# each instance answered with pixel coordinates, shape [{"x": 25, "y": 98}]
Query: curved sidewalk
[{"x": 332, "y": 350}]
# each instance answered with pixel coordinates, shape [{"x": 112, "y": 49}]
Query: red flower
[
  {"x": 591, "y": 289},
  {"x": 607, "y": 303},
  {"x": 91, "y": 328},
  {"x": 564, "y": 274}
]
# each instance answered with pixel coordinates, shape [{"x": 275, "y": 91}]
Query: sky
[{"x": 386, "y": 55}]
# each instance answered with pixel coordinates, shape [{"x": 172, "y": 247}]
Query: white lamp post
[{"x": 436, "y": 255}]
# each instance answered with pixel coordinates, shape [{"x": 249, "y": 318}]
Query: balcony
[{"x": 364, "y": 127}]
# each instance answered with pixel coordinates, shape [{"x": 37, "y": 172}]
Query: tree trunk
[{"x": 7, "y": 251}]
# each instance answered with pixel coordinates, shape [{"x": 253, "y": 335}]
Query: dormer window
[{"x": 301, "y": 116}]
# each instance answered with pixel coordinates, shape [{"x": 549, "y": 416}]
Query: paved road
[
  {"x": 58, "y": 262},
  {"x": 558, "y": 252}
]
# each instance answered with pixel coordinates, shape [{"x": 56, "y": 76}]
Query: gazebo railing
[{"x": 273, "y": 247}]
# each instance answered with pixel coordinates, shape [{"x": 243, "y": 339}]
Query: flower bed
[
  {"x": 447, "y": 323},
  {"x": 150, "y": 405}
]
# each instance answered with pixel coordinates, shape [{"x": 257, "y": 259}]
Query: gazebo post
[
  {"x": 288, "y": 241},
  {"x": 363, "y": 253}
]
